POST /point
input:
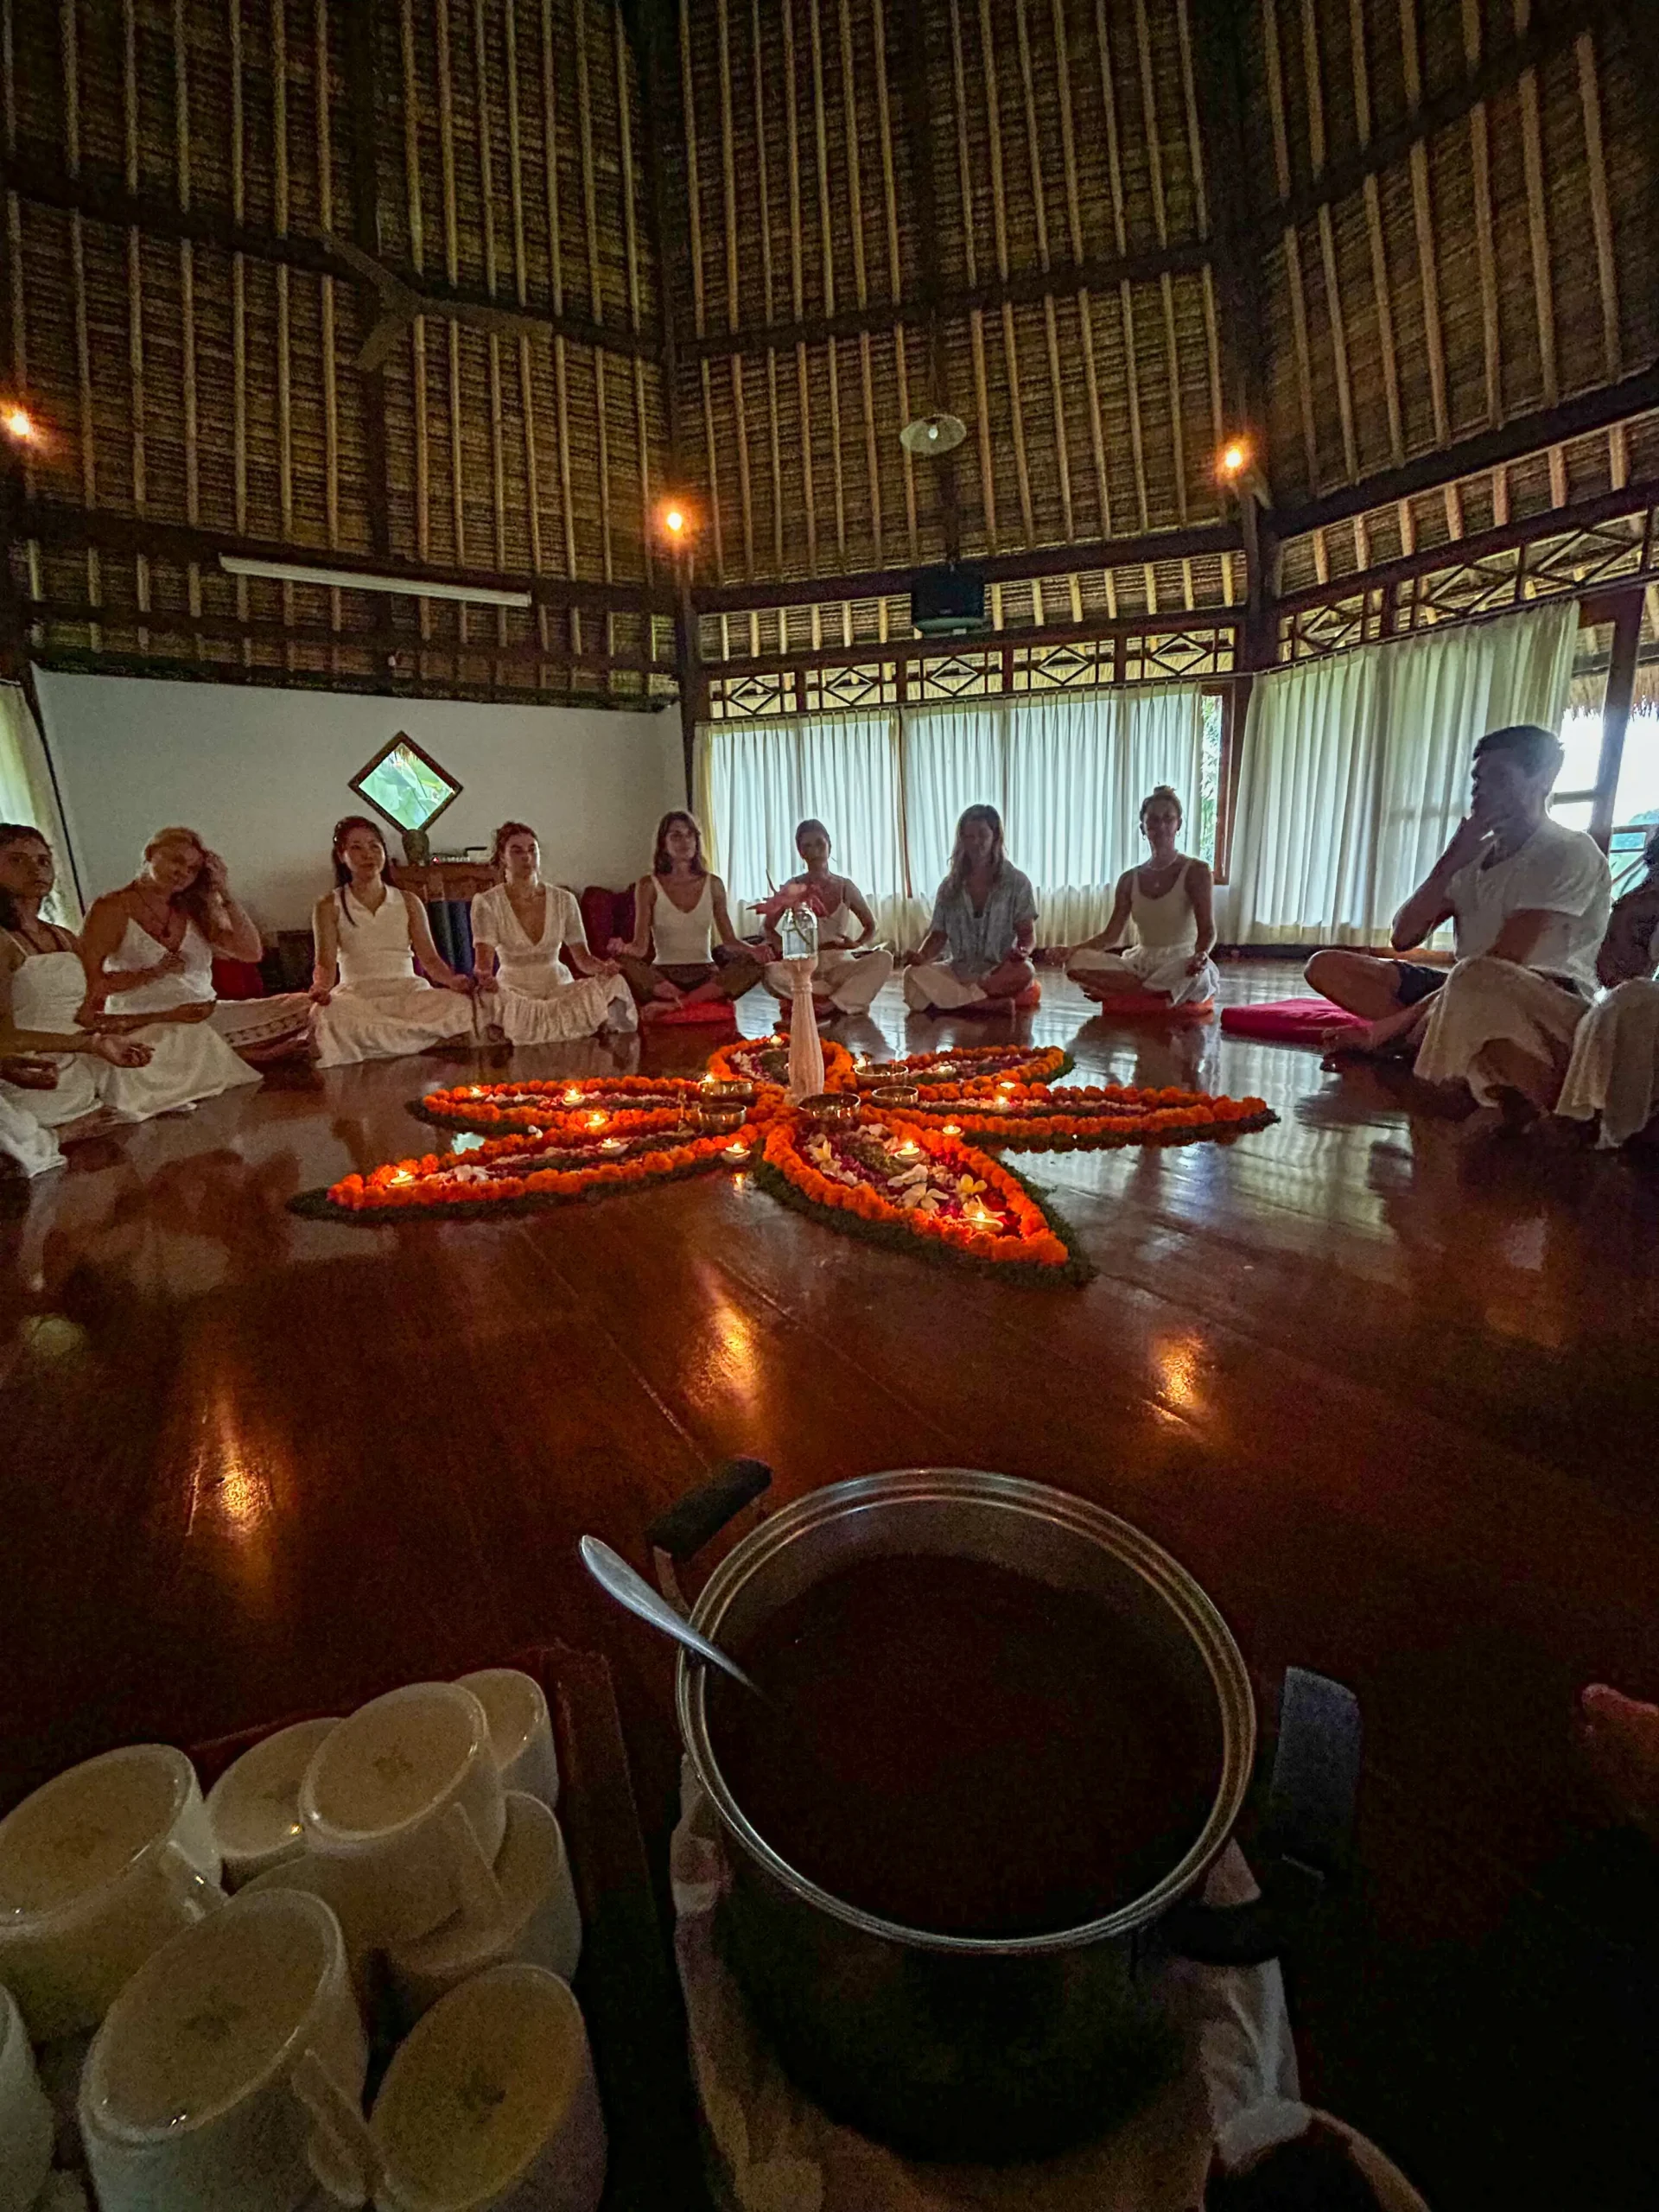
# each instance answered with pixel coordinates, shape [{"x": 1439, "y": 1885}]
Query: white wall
[{"x": 264, "y": 774}]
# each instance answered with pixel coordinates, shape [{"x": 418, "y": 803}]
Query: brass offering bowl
[
  {"x": 721, "y": 1120},
  {"x": 828, "y": 1109},
  {"x": 896, "y": 1095},
  {"x": 734, "y": 1093}
]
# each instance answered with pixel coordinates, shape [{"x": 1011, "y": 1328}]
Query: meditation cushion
[
  {"x": 1288, "y": 1021},
  {"x": 237, "y": 979},
  {"x": 1145, "y": 1005},
  {"x": 606, "y": 914},
  {"x": 707, "y": 1014}
]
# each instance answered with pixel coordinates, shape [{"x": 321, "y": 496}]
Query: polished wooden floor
[{"x": 1389, "y": 1394}]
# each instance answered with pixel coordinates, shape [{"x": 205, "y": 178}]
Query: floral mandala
[{"x": 894, "y": 1152}]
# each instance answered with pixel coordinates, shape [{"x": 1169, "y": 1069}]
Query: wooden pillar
[
  {"x": 1616, "y": 714},
  {"x": 363, "y": 104},
  {"x": 688, "y": 664}
]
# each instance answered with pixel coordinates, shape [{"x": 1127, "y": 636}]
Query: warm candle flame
[
  {"x": 573, "y": 1097},
  {"x": 596, "y": 1121},
  {"x": 953, "y": 1129}
]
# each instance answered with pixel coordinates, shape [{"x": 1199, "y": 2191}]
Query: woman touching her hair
[
  {"x": 527, "y": 937},
  {"x": 370, "y": 1004}
]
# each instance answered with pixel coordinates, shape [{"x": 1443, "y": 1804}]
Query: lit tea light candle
[
  {"x": 613, "y": 1144},
  {"x": 981, "y": 1217},
  {"x": 737, "y": 1151},
  {"x": 953, "y": 1129},
  {"x": 909, "y": 1148},
  {"x": 402, "y": 1176},
  {"x": 573, "y": 1097},
  {"x": 1006, "y": 1089},
  {"x": 596, "y": 1121}
]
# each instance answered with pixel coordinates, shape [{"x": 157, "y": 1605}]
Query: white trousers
[
  {"x": 1483, "y": 1002},
  {"x": 1614, "y": 1070},
  {"x": 849, "y": 980}
]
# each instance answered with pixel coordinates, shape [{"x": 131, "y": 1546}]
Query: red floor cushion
[
  {"x": 707, "y": 1014},
  {"x": 1288, "y": 1021},
  {"x": 237, "y": 979},
  {"x": 606, "y": 914}
]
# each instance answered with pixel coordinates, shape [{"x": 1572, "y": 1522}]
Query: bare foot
[
  {"x": 654, "y": 1010},
  {"x": 1620, "y": 1736}
]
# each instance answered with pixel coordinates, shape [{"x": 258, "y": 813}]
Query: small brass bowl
[
  {"x": 735, "y": 1093},
  {"x": 720, "y": 1121},
  {"x": 830, "y": 1108},
  {"x": 894, "y": 1095}
]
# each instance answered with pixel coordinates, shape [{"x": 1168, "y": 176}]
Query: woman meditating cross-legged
[
  {"x": 1169, "y": 900},
  {"x": 524, "y": 932},
  {"x": 1612, "y": 1078},
  {"x": 150, "y": 949},
  {"x": 69, "y": 1072},
  {"x": 984, "y": 923},
  {"x": 680, "y": 915},
  {"x": 847, "y": 976},
  {"x": 370, "y": 1004}
]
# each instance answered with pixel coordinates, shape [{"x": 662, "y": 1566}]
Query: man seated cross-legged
[{"x": 1527, "y": 900}]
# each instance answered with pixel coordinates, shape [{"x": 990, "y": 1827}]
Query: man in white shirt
[
  {"x": 1509, "y": 873},
  {"x": 1528, "y": 900}
]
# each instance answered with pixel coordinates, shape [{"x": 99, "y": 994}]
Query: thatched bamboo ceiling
[{"x": 1401, "y": 243}]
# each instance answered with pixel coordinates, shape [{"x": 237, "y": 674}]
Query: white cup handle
[
  {"x": 477, "y": 1894},
  {"x": 187, "y": 1882},
  {"x": 340, "y": 2151}
]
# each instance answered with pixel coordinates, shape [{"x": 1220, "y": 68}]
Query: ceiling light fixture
[
  {"x": 929, "y": 435},
  {"x": 288, "y": 572},
  {"x": 20, "y": 425},
  {"x": 1235, "y": 458}
]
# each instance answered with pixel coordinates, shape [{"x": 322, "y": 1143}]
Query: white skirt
[
  {"x": 1145, "y": 967},
  {"x": 189, "y": 1061},
  {"x": 23, "y": 1138},
  {"x": 1614, "y": 1070},
  {"x": 1485, "y": 1001},
  {"x": 384, "y": 1018},
  {"x": 849, "y": 980},
  {"x": 540, "y": 1006}
]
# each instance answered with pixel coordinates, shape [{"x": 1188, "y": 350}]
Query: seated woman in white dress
[
  {"x": 520, "y": 929},
  {"x": 1169, "y": 898},
  {"x": 149, "y": 951},
  {"x": 984, "y": 923},
  {"x": 78, "y": 1073},
  {"x": 1612, "y": 1078},
  {"x": 851, "y": 971},
  {"x": 684, "y": 951},
  {"x": 370, "y": 1004}
]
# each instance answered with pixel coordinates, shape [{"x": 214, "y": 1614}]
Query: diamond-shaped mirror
[{"x": 406, "y": 784}]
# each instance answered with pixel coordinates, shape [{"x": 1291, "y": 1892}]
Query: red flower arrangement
[{"x": 911, "y": 1177}]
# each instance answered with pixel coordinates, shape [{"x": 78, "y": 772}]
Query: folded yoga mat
[{"x": 1288, "y": 1021}]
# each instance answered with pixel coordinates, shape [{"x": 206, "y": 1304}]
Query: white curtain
[
  {"x": 756, "y": 781},
  {"x": 1067, "y": 772},
  {"x": 1356, "y": 770},
  {"x": 26, "y": 795}
]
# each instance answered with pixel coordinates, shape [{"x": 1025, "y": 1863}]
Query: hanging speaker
[{"x": 947, "y": 602}]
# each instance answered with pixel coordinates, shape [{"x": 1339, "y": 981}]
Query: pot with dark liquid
[{"x": 1003, "y": 1738}]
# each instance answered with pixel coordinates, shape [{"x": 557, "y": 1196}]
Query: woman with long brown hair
[
  {"x": 527, "y": 937},
  {"x": 1168, "y": 901},
  {"x": 370, "y": 1004},
  {"x": 79, "y": 1069},
  {"x": 150, "y": 949},
  {"x": 984, "y": 923},
  {"x": 682, "y": 928}
]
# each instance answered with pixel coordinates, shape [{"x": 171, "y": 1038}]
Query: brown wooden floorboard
[{"x": 1389, "y": 1394}]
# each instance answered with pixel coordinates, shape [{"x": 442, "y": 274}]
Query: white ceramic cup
[
  {"x": 26, "y": 2122},
  {"x": 407, "y": 1788},
  {"x": 193, "y": 2099},
  {"x": 98, "y": 1869},
  {"x": 254, "y": 1806},
  {"x": 492, "y": 2103},
  {"x": 521, "y": 1730},
  {"x": 538, "y": 1925},
  {"x": 347, "y": 1889}
]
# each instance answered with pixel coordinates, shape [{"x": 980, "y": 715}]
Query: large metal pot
[{"x": 960, "y": 2047}]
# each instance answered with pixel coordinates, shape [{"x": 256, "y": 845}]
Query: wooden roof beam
[
  {"x": 1551, "y": 34},
  {"x": 37, "y": 176},
  {"x": 996, "y": 568},
  {"x": 50, "y": 524},
  {"x": 1521, "y": 435},
  {"x": 1178, "y": 622}
]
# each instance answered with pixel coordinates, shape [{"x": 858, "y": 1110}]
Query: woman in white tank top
[
  {"x": 680, "y": 916},
  {"x": 1169, "y": 900},
  {"x": 370, "y": 1005},
  {"x": 848, "y": 975},
  {"x": 523, "y": 932}
]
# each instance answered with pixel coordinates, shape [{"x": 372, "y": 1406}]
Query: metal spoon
[{"x": 619, "y": 1581}]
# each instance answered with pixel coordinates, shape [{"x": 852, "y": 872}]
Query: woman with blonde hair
[
  {"x": 1169, "y": 900},
  {"x": 65, "y": 1070},
  {"x": 370, "y": 1004},
  {"x": 151, "y": 949},
  {"x": 681, "y": 921},
  {"x": 984, "y": 923},
  {"x": 524, "y": 932}
]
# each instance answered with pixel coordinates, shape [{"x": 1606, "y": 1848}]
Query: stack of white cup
[{"x": 415, "y": 1840}]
